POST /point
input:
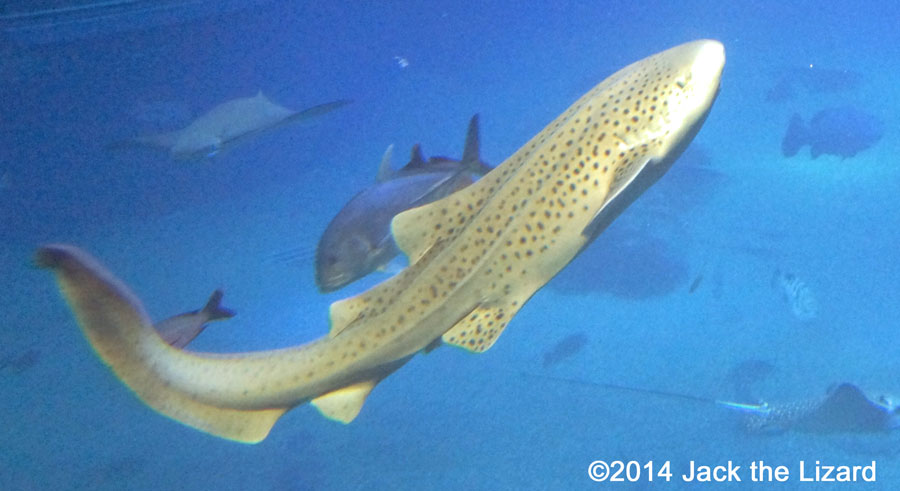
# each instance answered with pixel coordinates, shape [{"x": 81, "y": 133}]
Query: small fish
[
  {"x": 565, "y": 348},
  {"x": 797, "y": 294},
  {"x": 181, "y": 329},
  {"x": 20, "y": 361},
  {"x": 845, "y": 409},
  {"x": 840, "y": 131},
  {"x": 358, "y": 239},
  {"x": 226, "y": 125},
  {"x": 696, "y": 283}
]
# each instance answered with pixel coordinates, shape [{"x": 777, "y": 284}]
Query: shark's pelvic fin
[
  {"x": 344, "y": 404},
  {"x": 479, "y": 330}
]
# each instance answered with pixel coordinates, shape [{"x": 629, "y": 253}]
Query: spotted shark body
[{"x": 475, "y": 258}]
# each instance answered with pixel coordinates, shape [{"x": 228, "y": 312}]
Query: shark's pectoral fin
[
  {"x": 478, "y": 331},
  {"x": 345, "y": 403}
]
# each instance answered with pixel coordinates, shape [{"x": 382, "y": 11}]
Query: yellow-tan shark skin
[{"x": 475, "y": 258}]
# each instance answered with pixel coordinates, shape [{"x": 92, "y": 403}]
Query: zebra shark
[{"x": 475, "y": 258}]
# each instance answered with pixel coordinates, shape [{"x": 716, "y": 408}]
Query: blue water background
[{"x": 174, "y": 231}]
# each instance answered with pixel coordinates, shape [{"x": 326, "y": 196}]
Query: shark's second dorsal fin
[
  {"x": 343, "y": 313},
  {"x": 384, "y": 170}
]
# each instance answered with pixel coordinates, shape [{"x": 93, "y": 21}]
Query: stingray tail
[
  {"x": 795, "y": 137},
  {"x": 214, "y": 309},
  {"x": 161, "y": 140}
]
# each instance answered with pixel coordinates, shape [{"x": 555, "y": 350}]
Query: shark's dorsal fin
[
  {"x": 343, "y": 313},
  {"x": 418, "y": 229},
  {"x": 384, "y": 170},
  {"x": 345, "y": 403}
]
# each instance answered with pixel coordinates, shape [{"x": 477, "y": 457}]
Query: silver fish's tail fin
[
  {"x": 316, "y": 111},
  {"x": 471, "y": 157},
  {"x": 214, "y": 309},
  {"x": 795, "y": 137},
  {"x": 120, "y": 332}
]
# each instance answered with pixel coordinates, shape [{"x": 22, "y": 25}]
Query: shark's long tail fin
[
  {"x": 120, "y": 331},
  {"x": 160, "y": 140},
  {"x": 214, "y": 309},
  {"x": 316, "y": 111},
  {"x": 471, "y": 157}
]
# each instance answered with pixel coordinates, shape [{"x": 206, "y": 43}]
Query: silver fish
[
  {"x": 358, "y": 239},
  {"x": 181, "y": 329}
]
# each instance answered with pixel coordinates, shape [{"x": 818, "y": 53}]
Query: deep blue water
[{"x": 736, "y": 212}]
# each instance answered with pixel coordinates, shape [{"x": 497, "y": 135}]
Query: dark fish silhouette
[
  {"x": 20, "y": 361},
  {"x": 813, "y": 80},
  {"x": 627, "y": 263},
  {"x": 696, "y": 283},
  {"x": 565, "y": 348},
  {"x": 843, "y": 131},
  {"x": 358, "y": 240},
  {"x": 181, "y": 329}
]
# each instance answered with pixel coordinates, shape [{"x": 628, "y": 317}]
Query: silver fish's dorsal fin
[
  {"x": 471, "y": 156},
  {"x": 384, "y": 170},
  {"x": 416, "y": 159},
  {"x": 345, "y": 403}
]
